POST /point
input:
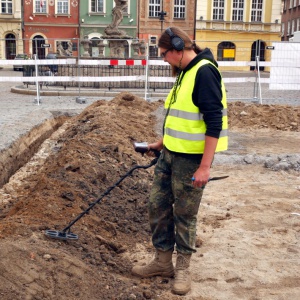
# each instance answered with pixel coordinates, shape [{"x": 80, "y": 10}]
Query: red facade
[{"x": 51, "y": 27}]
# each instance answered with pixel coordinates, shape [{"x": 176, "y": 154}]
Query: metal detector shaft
[{"x": 153, "y": 162}]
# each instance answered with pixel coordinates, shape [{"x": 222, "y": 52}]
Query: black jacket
[{"x": 207, "y": 94}]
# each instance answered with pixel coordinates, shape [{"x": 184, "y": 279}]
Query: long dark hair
[{"x": 165, "y": 42}]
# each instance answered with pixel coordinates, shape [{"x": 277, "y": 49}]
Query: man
[{"x": 195, "y": 127}]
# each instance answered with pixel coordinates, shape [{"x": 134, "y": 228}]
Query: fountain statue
[{"x": 116, "y": 37}]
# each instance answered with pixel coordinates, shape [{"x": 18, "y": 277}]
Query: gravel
[{"x": 282, "y": 162}]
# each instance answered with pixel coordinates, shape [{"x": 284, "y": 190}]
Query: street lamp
[{"x": 162, "y": 15}]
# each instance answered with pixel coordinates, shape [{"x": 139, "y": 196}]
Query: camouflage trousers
[{"x": 174, "y": 203}]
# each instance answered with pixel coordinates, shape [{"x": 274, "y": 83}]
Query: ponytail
[{"x": 196, "y": 48}]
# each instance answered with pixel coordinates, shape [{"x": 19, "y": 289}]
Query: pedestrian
[{"x": 195, "y": 127}]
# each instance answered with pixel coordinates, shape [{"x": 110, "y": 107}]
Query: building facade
[
  {"x": 97, "y": 19},
  {"x": 50, "y": 26},
  {"x": 156, "y": 15},
  {"x": 238, "y": 30},
  {"x": 73, "y": 27},
  {"x": 290, "y": 19},
  {"x": 10, "y": 29}
]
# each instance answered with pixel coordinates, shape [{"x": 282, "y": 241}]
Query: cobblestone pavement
[{"x": 20, "y": 112}]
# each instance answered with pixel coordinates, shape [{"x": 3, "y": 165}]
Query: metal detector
[
  {"x": 142, "y": 148},
  {"x": 66, "y": 234}
]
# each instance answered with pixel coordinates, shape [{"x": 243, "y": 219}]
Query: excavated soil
[{"x": 248, "y": 227}]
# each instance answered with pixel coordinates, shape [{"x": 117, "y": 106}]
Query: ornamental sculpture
[
  {"x": 117, "y": 17},
  {"x": 117, "y": 38}
]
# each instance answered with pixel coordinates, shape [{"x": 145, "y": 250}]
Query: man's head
[
  {"x": 175, "y": 38},
  {"x": 176, "y": 48}
]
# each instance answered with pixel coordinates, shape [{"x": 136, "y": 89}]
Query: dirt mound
[
  {"x": 256, "y": 116},
  {"x": 93, "y": 153},
  {"x": 89, "y": 154}
]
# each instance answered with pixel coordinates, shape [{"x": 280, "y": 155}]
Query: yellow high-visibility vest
[{"x": 184, "y": 130}]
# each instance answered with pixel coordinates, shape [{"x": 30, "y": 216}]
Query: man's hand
[
  {"x": 150, "y": 150},
  {"x": 201, "y": 177}
]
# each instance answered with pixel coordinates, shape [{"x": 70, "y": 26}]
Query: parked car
[
  {"x": 18, "y": 57},
  {"x": 53, "y": 68}
]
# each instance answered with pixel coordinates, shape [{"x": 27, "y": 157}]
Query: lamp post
[{"x": 162, "y": 14}]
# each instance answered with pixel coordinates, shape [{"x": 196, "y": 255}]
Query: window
[
  {"x": 238, "y": 10},
  {"x": 10, "y": 48},
  {"x": 6, "y": 6},
  {"x": 153, "y": 51},
  {"x": 179, "y": 9},
  {"x": 226, "y": 51},
  {"x": 97, "y": 6},
  {"x": 94, "y": 49},
  {"x": 288, "y": 28},
  {"x": 256, "y": 12},
  {"x": 154, "y": 8},
  {"x": 62, "y": 7},
  {"x": 258, "y": 53},
  {"x": 293, "y": 27},
  {"x": 218, "y": 10},
  {"x": 40, "y": 6},
  {"x": 295, "y": 3},
  {"x": 153, "y": 40},
  {"x": 74, "y": 46}
]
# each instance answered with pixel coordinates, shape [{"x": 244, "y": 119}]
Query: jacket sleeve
[{"x": 207, "y": 95}]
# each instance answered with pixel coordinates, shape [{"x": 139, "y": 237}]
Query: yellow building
[
  {"x": 10, "y": 29},
  {"x": 238, "y": 30}
]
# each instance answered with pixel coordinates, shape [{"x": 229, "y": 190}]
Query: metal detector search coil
[{"x": 61, "y": 235}]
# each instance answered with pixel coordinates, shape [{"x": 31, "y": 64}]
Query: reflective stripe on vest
[
  {"x": 191, "y": 136},
  {"x": 185, "y": 128},
  {"x": 190, "y": 116}
]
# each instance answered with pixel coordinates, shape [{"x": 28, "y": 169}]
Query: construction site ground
[{"x": 248, "y": 226}]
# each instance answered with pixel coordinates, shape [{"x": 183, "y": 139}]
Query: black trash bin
[{"x": 28, "y": 71}]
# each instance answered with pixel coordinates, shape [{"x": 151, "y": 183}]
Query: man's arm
[
  {"x": 201, "y": 176},
  {"x": 208, "y": 97}
]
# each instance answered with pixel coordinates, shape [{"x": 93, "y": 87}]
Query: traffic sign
[
  {"x": 270, "y": 47},
  {"x": 45, "y": 45}
]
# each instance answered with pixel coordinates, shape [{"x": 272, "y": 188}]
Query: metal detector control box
[{"x": 141, "y": 147}]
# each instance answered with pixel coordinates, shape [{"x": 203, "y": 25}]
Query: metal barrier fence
[
  {"x": 274, "y": 76},
  {"x": 98, "y": 76}
]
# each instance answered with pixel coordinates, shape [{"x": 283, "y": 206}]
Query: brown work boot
[
  {"x": 160, "y": 265},
  {"x": 182, "y": 282}
]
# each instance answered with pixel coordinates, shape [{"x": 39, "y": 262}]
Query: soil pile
[
  {"x": 77, "y": 165},
  {"x": 256, "y": 116}
]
